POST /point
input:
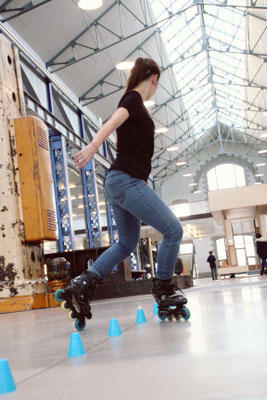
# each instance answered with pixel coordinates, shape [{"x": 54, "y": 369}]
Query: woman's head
[{"x": 144, "y": 69}]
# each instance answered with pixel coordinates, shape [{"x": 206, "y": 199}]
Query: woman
[{"x": 131, "y": 198}]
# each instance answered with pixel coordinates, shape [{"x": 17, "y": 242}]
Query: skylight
[{"x": 204, "y": 44}]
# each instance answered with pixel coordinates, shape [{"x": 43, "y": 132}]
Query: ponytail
[{"x": 142, "y": 70}]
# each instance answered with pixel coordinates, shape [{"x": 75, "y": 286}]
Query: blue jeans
[{"x": 133, "y": 200}]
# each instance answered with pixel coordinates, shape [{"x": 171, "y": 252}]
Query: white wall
[
  {"x": 177, "y": 187},
  {"x": 203, "y": 246}
]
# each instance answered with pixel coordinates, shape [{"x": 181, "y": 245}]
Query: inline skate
[
  {"x": 76, "y": 297},
  {"x": 171, "y": 305}
]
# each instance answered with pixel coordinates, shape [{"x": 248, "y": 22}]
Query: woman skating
[{"x": 131, "y": 198}]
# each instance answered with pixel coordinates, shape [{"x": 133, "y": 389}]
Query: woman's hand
[{"x": 85, "y": 155}]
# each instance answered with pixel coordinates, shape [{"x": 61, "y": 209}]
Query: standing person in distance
[
  {"x": 212, "y": 261},
  {"x": 261, "y": 246},
  {"x": 131, "y": 198}
]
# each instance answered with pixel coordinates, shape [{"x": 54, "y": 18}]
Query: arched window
[{"x": 226, "y": 176}]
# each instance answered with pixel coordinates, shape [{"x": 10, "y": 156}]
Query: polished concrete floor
[{"x": 220, "y": 353}]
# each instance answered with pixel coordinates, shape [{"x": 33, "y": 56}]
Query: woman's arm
[{"x": 88, "y": 152}]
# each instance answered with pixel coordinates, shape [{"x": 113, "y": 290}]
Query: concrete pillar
[
  {"x": 21, "y": 271},
  {"x": 230, "y": 244}
]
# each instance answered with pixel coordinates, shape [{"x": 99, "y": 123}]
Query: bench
[{"x": 232, "y": 270}]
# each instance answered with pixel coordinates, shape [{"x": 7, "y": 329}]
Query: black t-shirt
[{"x": 135, "y": 145}]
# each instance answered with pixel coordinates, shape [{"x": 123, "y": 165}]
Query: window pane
[
  {"x": 212, "y": 183},
  {"x": 225, "y": 176},
  {"x": 240, "y": 176},
  {"x": 220, "y": 243},
  {"x": 251, "y": 261},
  {"x": 241, "y": 257},
  {"x": 239, "y": 242},
  {"x": 250, "y": 249}
]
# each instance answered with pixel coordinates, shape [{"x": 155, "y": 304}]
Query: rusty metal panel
[
  {"x": 36, "y": 180},
  {"x": 20, "y": 263}
]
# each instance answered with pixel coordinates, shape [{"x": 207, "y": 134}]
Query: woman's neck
[{"x": 143, "y": 89}]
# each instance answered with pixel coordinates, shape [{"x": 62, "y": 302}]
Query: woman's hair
[{"x": 143, "y": 69}]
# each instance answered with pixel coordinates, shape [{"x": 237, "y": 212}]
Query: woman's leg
[
  {"x": 148, "y": 206},
  {"x": 128, "y": 228},
  {"x": 129, "y": 232},
  {"x": 139, "y": 200}
]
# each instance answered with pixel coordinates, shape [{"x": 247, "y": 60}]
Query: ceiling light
[
  {"x": 161, "y": 130},
  {"x": 125, "y": 65},
  {"x": 181, "y": 163},
  {"x": 81, "y": 206},
  {"x": 262, "y": 151},
  {"x": 257, "y": 183},
  {"x": 74, "y": 215},
  {"x": 172, "y": 148},
  {"x": 192, "y": 184},
  {"x": 72, "y": 186},
  {"x": 258, "y": 175},
  {"x": 187, "y": 175},
  {"x": 149, "y": 103},
  {"x": 263, "y": 134},
  {"x": 80, "y": 197},
  {"x": 90, "y": 4},
  {"x": 260, "y": 165},
  {"x": 197, "y": 191}
]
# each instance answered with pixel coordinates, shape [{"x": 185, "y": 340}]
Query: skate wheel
[
  {"x": 162, "y": 315},
  {"x": 71, "y": 315},
  {"x": 177, "y": 316},
  {"x": 185, "y": 313},
  {"x": 59, "y": 294},
  {"x": 79, "y": 325},
  {"x": 170, "y": 317},
  {"x": 64, "y": 306}
]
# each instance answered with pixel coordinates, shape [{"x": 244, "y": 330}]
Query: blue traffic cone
[
  {"x": 114, "y": 329},
  {"x": 140, "y": 318},
  {"x": 76, "y": 346},
  {"x": 7, "y": 383},
  {"x": 156, "y": 309}
]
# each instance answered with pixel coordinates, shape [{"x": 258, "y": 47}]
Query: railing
[
  {"x": 199, "y": 207},
  {"x": 53, "y": 122},
  {"x": 189, "y": 209}
]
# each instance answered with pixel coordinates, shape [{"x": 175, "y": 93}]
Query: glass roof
[{"x": 204, "y": 44}]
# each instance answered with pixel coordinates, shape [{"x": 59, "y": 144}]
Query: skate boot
[
  {"x": 170, "y": 303},
  {"x": 76, "y": 297}
]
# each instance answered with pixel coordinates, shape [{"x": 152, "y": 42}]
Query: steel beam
[
  {"x": 91, "y": 204},
  {"x": 62, "y": 192}
]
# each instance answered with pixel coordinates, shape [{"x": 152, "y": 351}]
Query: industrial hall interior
[{"x": 133, "y": 199}]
